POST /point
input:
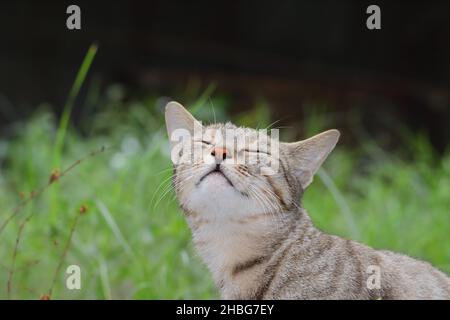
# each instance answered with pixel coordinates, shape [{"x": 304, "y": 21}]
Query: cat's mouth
[{"x": 216, "y": 171}]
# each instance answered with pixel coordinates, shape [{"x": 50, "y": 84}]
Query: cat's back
[
  {"x": 412, "y": 278},
  {"x": 330, "y": 267},
  {"x": 322, "y": 266}
]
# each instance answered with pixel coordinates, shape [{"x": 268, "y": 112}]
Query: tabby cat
[{"x": 254, "y": 236}]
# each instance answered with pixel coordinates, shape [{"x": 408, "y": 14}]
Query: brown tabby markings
[
  {"x": 243, "y": 170},
  {"x": 276, "y": 252},
  {"x": 272, "y": 271},
  {"x": 359, "y": 281},
  {"x": 197, "y": 223},
  {"x": 251, "y": 218},
  {"x": 285, "y": 175},
  {"x": 200, "y": 242},
  {"x": 277, "y": 192},
  {"x": 245, "y": 266}
]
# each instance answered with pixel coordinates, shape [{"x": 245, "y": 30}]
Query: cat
[{"x": 255, "y": 237}]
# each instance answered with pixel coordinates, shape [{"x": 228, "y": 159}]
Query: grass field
[{"x": 133, "y": 242}]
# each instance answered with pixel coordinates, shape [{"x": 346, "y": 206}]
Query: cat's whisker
[
  {"x": 271, "y": 207},
  {"x": 273, "y": 203},
  {"x": 170, "y": 187},
  {"x": 301, "y": 261},
  {"x": 164, "y": 170},
  {"x": 159, "y": 187},
  {"x": 268, "y": 203},
  {"x": 212, "y": 107},
  {"x": 272, "y": 124}
]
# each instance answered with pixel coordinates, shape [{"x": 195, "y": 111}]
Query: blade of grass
[
  {"x": 203, "y": 99},
  {"x": 64, "y": 121},
  {"x": 341, "y": 202},
  {"x": 104, "y": 277},
  {"x": 76, "y": 86},
  {"x": 114, "y": 228}
]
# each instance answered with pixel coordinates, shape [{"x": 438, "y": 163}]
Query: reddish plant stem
[
  {"x": 37, "y": 193},
  {"x": 63, "y": 255},
  {"x": 55, "y": 176},
  {"x": 13, "y": 263}
]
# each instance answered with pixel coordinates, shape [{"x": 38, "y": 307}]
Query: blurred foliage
[{"x": 133, "y": 242}]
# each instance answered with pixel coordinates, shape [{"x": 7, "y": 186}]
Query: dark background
[{"x": 292, "y": 53}]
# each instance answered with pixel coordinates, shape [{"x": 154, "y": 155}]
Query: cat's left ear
[{"x": 307, "y": 156}]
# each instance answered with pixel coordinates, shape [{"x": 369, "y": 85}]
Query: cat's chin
[
  {"x": 216, "y": 195},
  {"x": 216, "y": 179}
]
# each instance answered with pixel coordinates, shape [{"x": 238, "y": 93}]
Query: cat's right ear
[
  {"x": 308, "y": 155},
  {"x": 179, "y": 122}
]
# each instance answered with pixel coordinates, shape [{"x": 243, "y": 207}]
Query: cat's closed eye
[
  {"x": 257, "y": 151},
  {"x": 204, "y": 142}
]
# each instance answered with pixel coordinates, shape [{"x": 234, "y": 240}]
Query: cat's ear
[
  {"x": 307, "y": 156},
  {"x": 179, "y": 121}
]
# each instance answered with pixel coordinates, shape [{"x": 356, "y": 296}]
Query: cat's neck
[{"x": 236, "y": 249}]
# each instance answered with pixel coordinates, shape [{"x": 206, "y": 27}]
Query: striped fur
[{"x": 259, "y": 243}]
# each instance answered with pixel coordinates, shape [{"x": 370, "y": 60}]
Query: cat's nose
[{"x": 219, "y": 154}]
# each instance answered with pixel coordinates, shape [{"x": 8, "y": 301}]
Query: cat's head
[{"x": 222, "y": 170}]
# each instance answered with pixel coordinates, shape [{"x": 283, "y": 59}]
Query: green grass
[
  {"x": 133, "y": 243},
  {"x": 64, "y": 121}
]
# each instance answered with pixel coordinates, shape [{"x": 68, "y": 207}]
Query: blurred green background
[
  {"x": 133, "y": 242},
  {"x": 302, "y": 66}
]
